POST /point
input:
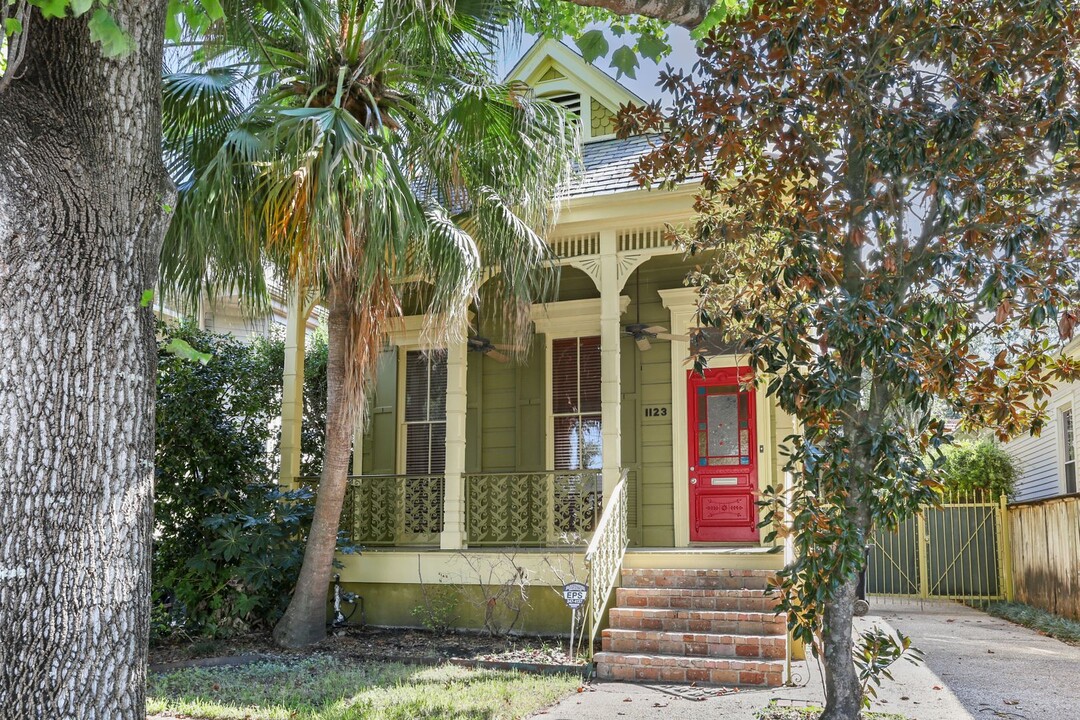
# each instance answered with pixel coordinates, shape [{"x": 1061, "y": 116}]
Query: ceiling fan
[
  {"x": 643, "y": 333},
  {"x": 484, "y": 346}
]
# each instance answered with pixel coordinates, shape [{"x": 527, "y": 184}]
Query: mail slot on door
[{"x": 724, "y": 481}]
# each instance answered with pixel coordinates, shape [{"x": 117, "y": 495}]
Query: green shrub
[
  {"x": 979, "y": 465},
  {"x": 227, "y": 544},
  {"x": 1047, "y": 623},
  {"x": 438, "y": 611}
]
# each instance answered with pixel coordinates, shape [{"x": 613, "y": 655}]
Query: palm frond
[{"x": 376, "y": 149}]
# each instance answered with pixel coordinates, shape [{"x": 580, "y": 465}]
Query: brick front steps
[{"x": 701, "y": 626}]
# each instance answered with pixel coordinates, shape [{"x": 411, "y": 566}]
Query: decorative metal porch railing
[
  {"x": 531, "y": 509},
  {"x": 604, "y": 558},
  {"x": 400, "y": 510}
]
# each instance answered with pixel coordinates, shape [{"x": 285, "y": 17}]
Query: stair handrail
[{"x": 604, "y": 556}]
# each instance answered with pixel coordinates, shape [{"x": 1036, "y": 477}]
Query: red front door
[{"x": 723, "y": 457}]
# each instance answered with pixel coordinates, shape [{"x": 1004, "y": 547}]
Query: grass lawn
[
  {"x": 322, "y": 688},
  {"x": 1041, "y": 621}
]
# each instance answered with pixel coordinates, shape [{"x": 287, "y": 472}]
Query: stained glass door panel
[{"x": 723, "y": 456}]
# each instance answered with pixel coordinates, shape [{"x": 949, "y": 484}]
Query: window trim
[
  {"x": 404, "y": 422},
  {"x": 550, "y": 400},
  {"x": 1063, "y": 447},
  {"x": 557, "y": 321},
  {"x": 400, "y": 459}
]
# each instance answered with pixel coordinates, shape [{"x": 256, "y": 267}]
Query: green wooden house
[{"x": 599, "y": 457}]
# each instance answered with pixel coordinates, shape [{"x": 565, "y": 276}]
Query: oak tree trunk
[
  {"x": 304, "y": 621},
  {"x": 82, "y": 188}
]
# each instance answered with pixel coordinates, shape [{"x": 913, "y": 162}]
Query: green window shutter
[
  {"x": 384, "y": 415},
  {"x": 531, "y": 422}
]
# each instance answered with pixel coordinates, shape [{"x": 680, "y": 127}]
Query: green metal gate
[{"x": 958, "y": 550}]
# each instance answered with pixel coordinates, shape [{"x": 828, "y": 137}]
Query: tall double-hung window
[
  {"x": 575, "y": 403},
  {"x": 425, "y": 412}
]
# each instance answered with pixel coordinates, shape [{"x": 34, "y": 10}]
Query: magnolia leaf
[
  {"x": 592, "y": 45},
  {"x": 625, "y": 62},
  {"x": 147, "y": 298},
  {"x": 183, "y": 350},
  {"x": 114, "y": 41}
]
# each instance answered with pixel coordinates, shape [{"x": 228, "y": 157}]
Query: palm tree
[{"x": 377, "y": 150}]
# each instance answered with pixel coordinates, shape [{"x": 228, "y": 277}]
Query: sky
[{"x": 682, "y": 55}]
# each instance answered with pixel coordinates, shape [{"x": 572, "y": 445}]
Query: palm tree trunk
[
  {"x": 304, "y": 621},
  {"x": 82, "y": 196}
]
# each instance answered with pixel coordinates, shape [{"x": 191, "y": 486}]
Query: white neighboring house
[
  {"x": 1048, "y": 463},
  {"x": 226, "y": 316}
]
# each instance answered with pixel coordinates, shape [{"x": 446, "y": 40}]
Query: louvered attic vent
[{"x": 570, "y": 101}]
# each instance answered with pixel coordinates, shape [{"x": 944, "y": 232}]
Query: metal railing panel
[
  {"x": 394, "y": 510},
  {"x": 604, "y": 557},
  {"x": 533, "y": 509}
]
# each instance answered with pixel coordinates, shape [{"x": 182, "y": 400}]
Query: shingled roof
[{"x": 606, "y": 165}]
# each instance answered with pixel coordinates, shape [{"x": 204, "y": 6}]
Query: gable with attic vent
[{"x": 559, "y": 74}]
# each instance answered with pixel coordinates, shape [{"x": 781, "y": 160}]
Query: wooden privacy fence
[
  {"x": 959, "y": 550},
  {"x": 1046, "y": 553}
]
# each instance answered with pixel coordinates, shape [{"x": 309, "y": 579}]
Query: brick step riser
[
  {"x": 698, "y": 579},
  {"x": 694, "y": 649},
  {"x": 697, "y": 583},
  {"x": 623, "y": 619},
  {"x": 628, "y": 598},
  {"x": 712, "y": 671}
]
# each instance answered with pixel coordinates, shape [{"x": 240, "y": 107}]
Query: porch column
[
  {"x": 292, "y": 391},
  {"x": 610, "y": 381},
  {"x": 453, "y": 534},
  {"x": 682, "y": 304}
]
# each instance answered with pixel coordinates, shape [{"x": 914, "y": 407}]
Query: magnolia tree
[{"x": 884, "y": 183}]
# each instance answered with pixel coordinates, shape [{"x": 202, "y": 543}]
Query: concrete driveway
[
  {"x": 995, "y": 668},
  {"x": 976, "y": 667}
]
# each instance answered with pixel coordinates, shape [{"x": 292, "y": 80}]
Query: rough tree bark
[
  {"x": 687, "y": 13},
  {"x": 82, "y": 195},
  {"x": 842, "y": 691},
  {"x": 304, "y": 621}
]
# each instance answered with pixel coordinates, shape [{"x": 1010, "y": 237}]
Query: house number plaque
[{"x": 655, "y": 411}]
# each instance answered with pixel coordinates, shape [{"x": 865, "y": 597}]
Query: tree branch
[{"x": 687, "y": 13}]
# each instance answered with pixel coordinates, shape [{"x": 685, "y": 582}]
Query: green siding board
[
  {"x": 658, "y": 537},
  {"x": 650, "y": 384},
  {"x": 656, "y": 495},
  {"x": 576, "y": 285}
]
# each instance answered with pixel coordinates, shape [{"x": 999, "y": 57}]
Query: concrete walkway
[{"x": 976, "y": 667}]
